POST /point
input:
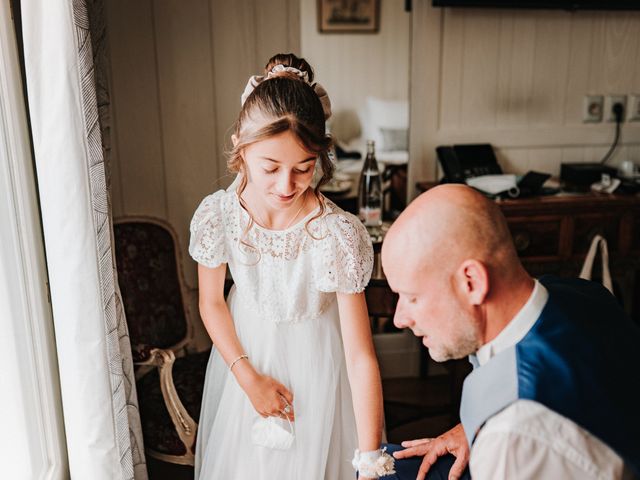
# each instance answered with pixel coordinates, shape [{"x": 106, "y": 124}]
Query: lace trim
[
  {"x": 340, "y": 261},
  {"x": 207, "y": 243}
]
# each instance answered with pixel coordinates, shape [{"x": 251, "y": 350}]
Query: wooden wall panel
[
  {"x": 550, "y": 67},
  {"x": 520, "y": 64},
  {"x": 177, "y": 71},
  {"x": 620, "y": 47},
  {"x": 185, "y": 84},
  {"x": 480, "y": 57},
  {"x": 235, "y": 58},
  {"x": 137, "y": 132},
  {"x": 453, "y": 50},
  {"x": 425, "y": 88},
  {"x": 579, "y": 67},
  {"x": 517, "y": 79},
  {"x": 245, "y": 35}
]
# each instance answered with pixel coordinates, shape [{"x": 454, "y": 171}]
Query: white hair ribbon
[{"x": 276, "y": 71}]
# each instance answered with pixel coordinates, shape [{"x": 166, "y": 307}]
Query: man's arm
[{"x": 528, "y": 441}]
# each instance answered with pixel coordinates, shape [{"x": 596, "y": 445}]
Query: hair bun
[
  {"x": 290, "y": 60},
  {"x": 280, "y": 65},
  {"x": 280, "y": 70}
]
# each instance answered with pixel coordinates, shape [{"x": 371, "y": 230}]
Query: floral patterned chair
[{"x": 169, "y": 376}]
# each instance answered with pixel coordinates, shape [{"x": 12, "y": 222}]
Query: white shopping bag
[{"x": 587, "y": 266}]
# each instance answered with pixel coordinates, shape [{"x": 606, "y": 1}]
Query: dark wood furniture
[
  {"x": 169, "y": 372},
  {"x": 552, "y": 235}
]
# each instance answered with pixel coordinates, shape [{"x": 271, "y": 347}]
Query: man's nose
[{"x": 400, "y": 318}]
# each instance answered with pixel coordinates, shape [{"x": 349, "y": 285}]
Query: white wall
[
  {"x": 512, "y": 78},
  {"x": 177, "y": 71},
  {"x": 516, "y": 79},
  {"x": 353, "y": 66}
]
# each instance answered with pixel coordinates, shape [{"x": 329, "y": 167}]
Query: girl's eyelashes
[{"x": 295, "y": 170}]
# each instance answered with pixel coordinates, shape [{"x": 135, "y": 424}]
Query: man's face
[{"x": 432, "y": 307}]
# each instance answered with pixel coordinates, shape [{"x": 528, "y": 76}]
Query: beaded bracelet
[
  {"x": 373, "y": 464},
  {"x": 237, "y": 360}
]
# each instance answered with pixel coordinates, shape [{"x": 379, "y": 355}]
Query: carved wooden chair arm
[{"x": 163, "y": 359}]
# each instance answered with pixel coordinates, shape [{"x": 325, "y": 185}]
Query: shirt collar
[{"x": 516, "y": 329}]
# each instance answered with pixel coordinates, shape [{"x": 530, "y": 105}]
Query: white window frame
[{"x": 32, "y": 444}]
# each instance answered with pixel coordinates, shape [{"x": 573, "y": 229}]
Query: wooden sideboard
[{"x": 552, "y": 234}]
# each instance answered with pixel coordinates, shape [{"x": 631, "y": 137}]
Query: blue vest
[{"x": 579, "y": 359}]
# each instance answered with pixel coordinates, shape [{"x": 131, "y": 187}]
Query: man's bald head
[
  {"x": 450, "y": 258},
  {"x": 448, "y": 224}
]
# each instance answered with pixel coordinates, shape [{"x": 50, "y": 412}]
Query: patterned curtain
[{"x": 89, "y": 19}]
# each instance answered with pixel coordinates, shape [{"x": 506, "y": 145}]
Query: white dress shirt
[{"x": 527, "y": 440}]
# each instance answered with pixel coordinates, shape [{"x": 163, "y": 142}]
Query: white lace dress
[{"x": 285, "y": 312}]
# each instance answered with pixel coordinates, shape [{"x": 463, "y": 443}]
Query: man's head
[{"x": 451, "y": 259}]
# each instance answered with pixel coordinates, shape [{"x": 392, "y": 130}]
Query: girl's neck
[{"x": 277, "y": 219}]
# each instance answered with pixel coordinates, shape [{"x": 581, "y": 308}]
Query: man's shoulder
[{"x": 575, "y": 288}]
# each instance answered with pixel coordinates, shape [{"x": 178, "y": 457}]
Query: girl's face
[{"x": 279, "y": 169}]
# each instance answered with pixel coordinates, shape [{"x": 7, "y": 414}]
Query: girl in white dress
[{"x": 293, "y": 339}]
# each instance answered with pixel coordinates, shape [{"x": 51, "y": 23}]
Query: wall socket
[
  {"x": 633, "y": 108},
  {"x": 609, "y": 102},
  {"x": 592, "y": 108}
]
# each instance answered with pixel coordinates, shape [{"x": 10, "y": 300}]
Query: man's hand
[{"x": 453, "y": 442}]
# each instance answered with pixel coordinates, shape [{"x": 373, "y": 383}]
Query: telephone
[{"x": 466, "y": 161}]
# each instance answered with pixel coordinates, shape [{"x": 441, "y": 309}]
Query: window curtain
[{"x": 102, "y": 425}]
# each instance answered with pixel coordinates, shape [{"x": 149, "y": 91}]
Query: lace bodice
[{"x": 287, "y": 275}]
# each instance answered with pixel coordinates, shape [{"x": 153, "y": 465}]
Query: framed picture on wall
[{"x": 348, "y": 16}]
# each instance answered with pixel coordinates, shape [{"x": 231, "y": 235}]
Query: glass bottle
[{"x": 370, "y": 192}]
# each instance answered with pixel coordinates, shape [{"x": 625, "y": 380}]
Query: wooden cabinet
[{"x": 552, "y": 234}]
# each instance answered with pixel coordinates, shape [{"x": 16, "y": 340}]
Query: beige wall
[
  {"x": 516, "y": 79},
  {"x": 177, "y": 71},
  {"x": 178, "y": 68},
  {"x": 512, "y": 78},
  {"x": 354, "y": 66}
]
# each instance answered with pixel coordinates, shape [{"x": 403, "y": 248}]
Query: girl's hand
[{"x": 269, "y": 397}]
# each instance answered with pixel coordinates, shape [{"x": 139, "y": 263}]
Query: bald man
[{"x": 555, "y": 390}]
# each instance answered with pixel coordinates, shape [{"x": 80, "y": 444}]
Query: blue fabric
[
  {"x": 407, "y": 468},
  {"x": 579, "y": 359}
]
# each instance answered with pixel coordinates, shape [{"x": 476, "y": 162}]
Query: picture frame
[{"x": 348, "y": 16}]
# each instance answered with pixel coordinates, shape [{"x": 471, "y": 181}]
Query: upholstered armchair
[{"x": 169, "y": 375}]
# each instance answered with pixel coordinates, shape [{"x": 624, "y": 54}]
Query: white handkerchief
[{"x": 271, "y": 432}]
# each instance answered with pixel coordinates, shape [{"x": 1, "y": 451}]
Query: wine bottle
[{"x": 370, "y": 191}]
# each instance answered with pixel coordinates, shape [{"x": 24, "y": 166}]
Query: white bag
[
  {"x": 269, "y": 432},
  {"x": 587, "y": 266}
]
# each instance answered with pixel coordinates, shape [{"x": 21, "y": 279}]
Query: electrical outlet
[
  {"x": 633, "y": 113},
  {"x": 592, "y": 108},
  {"x": 609, "y": 102}
]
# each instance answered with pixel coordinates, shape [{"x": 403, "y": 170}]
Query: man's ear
[{"x": 473, "y": 280}]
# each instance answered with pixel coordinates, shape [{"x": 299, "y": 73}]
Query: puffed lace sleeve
[
  {"x": 348, "y": 258},
  {"x": 207, "y": 244}
]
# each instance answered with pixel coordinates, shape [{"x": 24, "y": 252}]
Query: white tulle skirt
[{"x": 308, "y": 358}]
